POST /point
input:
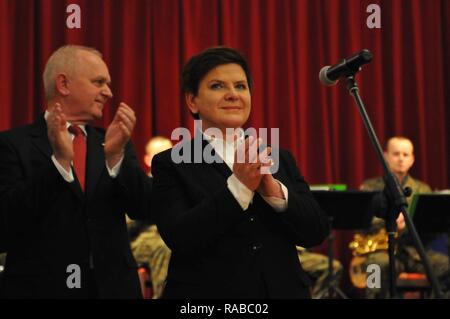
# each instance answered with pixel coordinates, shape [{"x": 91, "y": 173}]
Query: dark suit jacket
[
  {"x": 51, "y": 224},
  {"x": 221, "y": 251}
]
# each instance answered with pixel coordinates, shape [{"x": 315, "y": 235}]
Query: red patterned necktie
[{"x": 79, "y": 149}]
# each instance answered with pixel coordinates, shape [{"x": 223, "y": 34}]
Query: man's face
[
  {"x": 399, "y": 155},
  {"x": 223, "y": 99},
  {"x": 88, "y": 89}
]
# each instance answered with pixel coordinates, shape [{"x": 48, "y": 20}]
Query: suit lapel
[
  {"x": 95, "y": 161},
  {"x": 221, "y": 167},
  {"x": 39, "y": 137}
]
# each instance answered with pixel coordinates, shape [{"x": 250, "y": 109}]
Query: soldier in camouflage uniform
[
  {"x": 148, "y": 247},
  {"x": 316, "y": 266},
  {"x": 399, "y": 155}
]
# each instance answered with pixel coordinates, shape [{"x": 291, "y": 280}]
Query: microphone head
[{"x": 324, "y": 78}]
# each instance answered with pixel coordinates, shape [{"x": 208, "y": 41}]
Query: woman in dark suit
[{"x": 231, "y": 224}]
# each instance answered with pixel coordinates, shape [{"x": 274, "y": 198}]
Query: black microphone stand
[
  {"x": 396, "y": 200},
  {"x": 332, "y": 286}
]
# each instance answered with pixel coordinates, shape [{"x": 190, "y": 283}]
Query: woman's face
[{"x": 223, "y": 99}]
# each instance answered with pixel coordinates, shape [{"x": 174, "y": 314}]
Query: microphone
[{"x": 329, "y": 75}]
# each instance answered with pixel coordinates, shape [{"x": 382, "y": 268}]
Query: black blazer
[
  {"x": 221, "y": 251},
  {"x": 50, "y": 224}
]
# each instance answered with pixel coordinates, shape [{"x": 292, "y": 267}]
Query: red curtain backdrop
[{"x": 145, "y": 44}]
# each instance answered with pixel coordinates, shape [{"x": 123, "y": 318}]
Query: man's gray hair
[{"x": 63, "y": 60}]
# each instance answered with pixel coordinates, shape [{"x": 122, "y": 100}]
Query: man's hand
[
  {"x": 59, "y": 136},
  {"x": 118, "y": 134}
]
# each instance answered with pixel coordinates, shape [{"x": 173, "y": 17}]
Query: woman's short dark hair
[{"x": 199, "y": 65}]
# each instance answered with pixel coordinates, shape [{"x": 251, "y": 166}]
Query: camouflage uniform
[
  {"x": 407, "y": 258},
  {"x": 149, "y": 249},
  {"x": 316, "y": 266}
]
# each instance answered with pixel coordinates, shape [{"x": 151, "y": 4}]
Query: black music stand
[
  {"x": 431, "y": 212},
  {"x": 431, "y": 215},
  {"x": 346, "y": 210}
]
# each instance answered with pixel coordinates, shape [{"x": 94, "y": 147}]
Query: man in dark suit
[
  {"x": 65, "y": 187},
  {"x": 232, "y": 227}
]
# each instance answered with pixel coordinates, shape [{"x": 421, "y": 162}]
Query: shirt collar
[
  {"x": 217, "y": 140},
  {"x": 223, "y": 148}
]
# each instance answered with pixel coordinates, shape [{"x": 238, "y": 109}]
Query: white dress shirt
[
  {"x": 243, "y": 195},
  {"x": 68, "y": 175}
]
